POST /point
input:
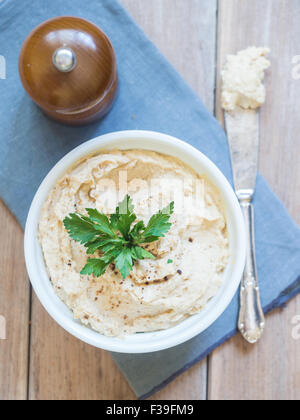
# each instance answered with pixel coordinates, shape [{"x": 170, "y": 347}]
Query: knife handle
[{"x": 251, "y": 319}]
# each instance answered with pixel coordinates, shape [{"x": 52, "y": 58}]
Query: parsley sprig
[{"x": 117, "y": 238}]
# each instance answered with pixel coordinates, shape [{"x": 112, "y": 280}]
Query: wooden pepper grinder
[{"x": 68, "y": 67}]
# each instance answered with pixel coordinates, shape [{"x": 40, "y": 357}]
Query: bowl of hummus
[{"x": 194, "y": 267}]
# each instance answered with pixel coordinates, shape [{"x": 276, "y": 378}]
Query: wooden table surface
[{"x": 41, "y": 361}]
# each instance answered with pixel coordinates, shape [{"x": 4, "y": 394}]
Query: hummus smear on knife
[
  {"x": 243, "y": 77},
  {"x": 158, "y": 294}
]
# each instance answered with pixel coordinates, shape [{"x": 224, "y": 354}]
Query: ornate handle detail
[{"x": 251, "y": 319}]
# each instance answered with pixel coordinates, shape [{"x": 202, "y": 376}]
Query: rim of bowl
[{"x": 151, "y": 341}]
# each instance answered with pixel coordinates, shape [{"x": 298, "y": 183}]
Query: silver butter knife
[{"x": 243, "y": 133}]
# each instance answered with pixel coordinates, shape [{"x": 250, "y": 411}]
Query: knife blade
[
  {"x": 242, "y": 128},
  {"x": 243, "y": 135}
]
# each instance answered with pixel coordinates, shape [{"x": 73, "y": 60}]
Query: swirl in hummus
[{"x": 160, "y": 293}]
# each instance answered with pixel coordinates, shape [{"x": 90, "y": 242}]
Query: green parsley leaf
[
  {"x": 101, "y": 222},
  {"x": 139, "y": 253},
  {"x": 114, "y": 238},
  {"x": 137, "y": 229},
  {"x": 79, "y": 229},
  {"x": 124, "y": 262},
  {"x": 96, "y": 266},
  {"x": 124, "y": 217},
  {"x": 103, "y": 244},
  {"x": 159, "y": 224}
]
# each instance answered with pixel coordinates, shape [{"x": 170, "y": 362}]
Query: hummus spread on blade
[
  {"x": 190, "y": 259},
  {"x": 243, "y": 77}
]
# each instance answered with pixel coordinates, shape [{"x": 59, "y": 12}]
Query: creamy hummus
[
  {"x": 190, "y": 260},
  {"x": 243, "y": 77}
]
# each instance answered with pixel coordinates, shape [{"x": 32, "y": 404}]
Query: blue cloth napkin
[{"x": 152, "y": 91}]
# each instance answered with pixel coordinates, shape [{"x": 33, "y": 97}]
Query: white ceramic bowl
[{"x": 144, "y": 342}]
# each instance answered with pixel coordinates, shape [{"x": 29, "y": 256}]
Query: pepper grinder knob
[{"x": 64, "y": 59}]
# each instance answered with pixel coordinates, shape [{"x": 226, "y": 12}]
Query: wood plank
[
  {"x": 185, "y": 33},
  {"x": 14, "y": 306},
  {"x": 62, "y": 367},
  {"x": 271, "y": 369}
]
